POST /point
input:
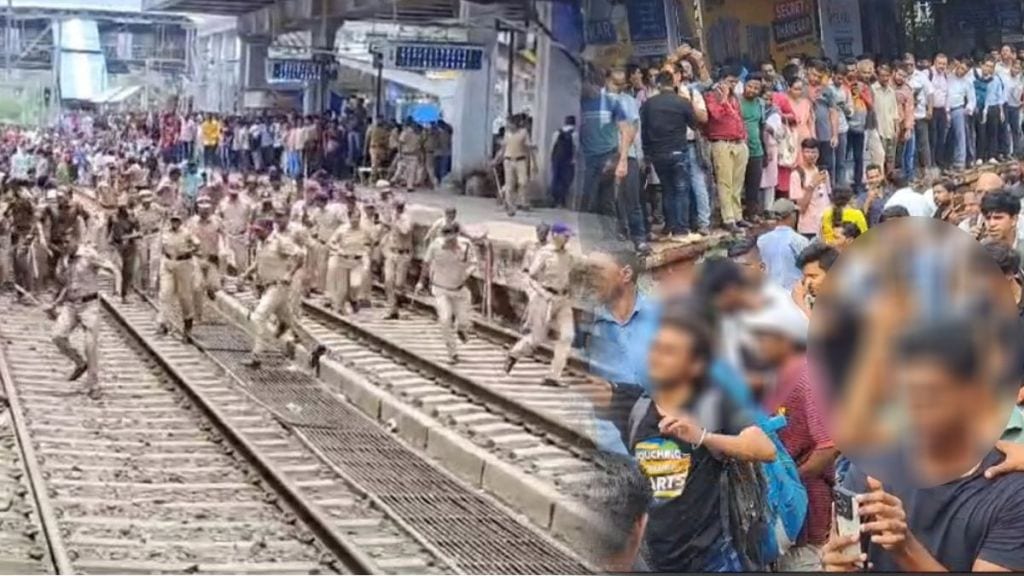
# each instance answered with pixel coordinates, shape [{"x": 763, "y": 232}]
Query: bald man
[{"x": 987, "y": 182}]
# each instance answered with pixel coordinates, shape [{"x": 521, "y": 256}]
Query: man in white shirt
[{"x": 916, "y": 203}]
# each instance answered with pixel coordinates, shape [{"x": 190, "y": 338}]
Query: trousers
[
  {"x": 71, "y": 316},
  {"x": 544, "y": 314},
  {"x": 453, "y": 308}
]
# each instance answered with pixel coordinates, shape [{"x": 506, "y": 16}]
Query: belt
[
  {"x": 519, "y": 159},
  {"x": 554, "y": 292},
  {"x": 401, "y": 251},
  {"x": 86, "y": 299},
  {"x": 178, "y": 258},
  {"x": 728, "y": 141},
  {"x": 452, "y": 289}
]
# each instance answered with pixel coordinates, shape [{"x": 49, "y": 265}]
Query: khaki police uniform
[
  {"x": 450, "y": 271},
  {"x": 429, "y": 145},
  {"x": 409, "y": 150},
  {"x": 380, "y": 138},
  {"x": 375, "y": 232},
  {"x": 323, "y": 223},
  {"x": 210, "y": 233},
  {"x": 550, "y": 307},
  {"x": 177, "y": 282},
  {"x": 81, "y": 308},
  {"x": 276, "y": 263},
  {"x": 236, "y": 214},
  {"x": 398, "y": 246},
  {"x": 349, "y": 262},
  {"x": 517, "y": 168},
  {"x": 150, "y": 216}
]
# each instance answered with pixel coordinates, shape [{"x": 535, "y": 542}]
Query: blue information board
[
  {"x": 299, "y": 71},
  {"x": 418, "y": 56}
]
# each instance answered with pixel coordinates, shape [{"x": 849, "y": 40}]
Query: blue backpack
[{"x": 787, "y": 497}]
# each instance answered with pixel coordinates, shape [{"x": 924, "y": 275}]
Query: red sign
[{"x": 791, "y": 9}]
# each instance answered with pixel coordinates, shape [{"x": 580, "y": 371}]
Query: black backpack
[{"x": 564, "y": 147}]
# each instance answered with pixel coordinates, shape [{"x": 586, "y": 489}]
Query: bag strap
[{"x": 636, "y": 416}]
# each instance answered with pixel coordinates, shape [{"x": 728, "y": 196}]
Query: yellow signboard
[{"x": 756, "y": 30}]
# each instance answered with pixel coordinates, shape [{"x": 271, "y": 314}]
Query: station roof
[{"x": 404, "y": 11}]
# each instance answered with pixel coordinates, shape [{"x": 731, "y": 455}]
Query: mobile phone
[{"x": 847, "y": 518}]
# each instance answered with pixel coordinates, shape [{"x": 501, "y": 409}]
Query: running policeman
[{"x": 449, "y": 263}]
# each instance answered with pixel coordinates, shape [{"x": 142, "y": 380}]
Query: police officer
[
  {"x": 378, "y": 139},
  {"x": 235, "y": 212},
  {"x": 375, "y": 230},
  {"x": 277, "y": 262},
  {"x": 67, "y": 221},
  {"x": 209, "y": 230},
  {"x": 324, "y": 218},
  {"x": 78, "y": 302},
  {"x": 123, "y": 234},
  {"x": 177, "y": 282},
  {"x": 450, "y": 262},
  {"x": 350, "y": 255},
  {"x": 150, "y": 217},
  {"x": 550, "y": 306},
  {"x": 518, "y": 149},
  {"x": 410, "y": 149},
  {"x": 397, "y": 254},
  {"x": 543, "y": 231}
]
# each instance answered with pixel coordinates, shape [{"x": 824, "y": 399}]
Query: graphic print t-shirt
[{"x": 685, "y": 519}]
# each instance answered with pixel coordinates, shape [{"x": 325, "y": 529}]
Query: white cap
[{"x": 779, "y": 317}]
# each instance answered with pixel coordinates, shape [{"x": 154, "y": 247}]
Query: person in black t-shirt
[
  {"x": 930, "y": 515},
  {"x": 680, "y": 436}
]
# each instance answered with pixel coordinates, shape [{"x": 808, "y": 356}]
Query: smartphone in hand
[{"x": 846, "y": 518}]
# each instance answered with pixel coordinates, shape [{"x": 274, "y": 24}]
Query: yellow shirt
[
  {"x": 211, "y": 133},
  {"x": 852, "y": 215}
]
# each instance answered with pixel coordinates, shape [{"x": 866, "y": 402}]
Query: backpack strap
[{"x": 636, "y": 416}]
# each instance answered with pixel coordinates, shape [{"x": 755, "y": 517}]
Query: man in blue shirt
[
  {"x": 780, "y": 247},
  {"x": 623, "y": 328},
  {"x": 991, "y": 95},
  {"x": 606, "y": 136}
]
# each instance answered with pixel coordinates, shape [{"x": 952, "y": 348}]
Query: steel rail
[
  {"x": 456, "y": 382},
  {"x": 339, "y": 544}
]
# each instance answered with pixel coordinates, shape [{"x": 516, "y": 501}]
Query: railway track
[
  {"x": 408, "y": 358},
  {"x": 151, "y": 477}
]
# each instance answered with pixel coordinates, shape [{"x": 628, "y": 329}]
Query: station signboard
[{"x": 424, "y": 56}]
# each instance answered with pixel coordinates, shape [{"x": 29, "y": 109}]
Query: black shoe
[
  {"x": 463, "y": 336},
  {"x": 161, "y": 330},
  {"x": 453, "y": 359},
  {"x": 289, "y": 350},
  {"x": 550, "y": 382},
  {"x": 744, "y": 224},
  {"x": 355, "y": 307},
  {"x": 187, "y": 334},
  {"x": 78, "y": 372},
  {"x": 392, "y": 316},
  {"x": 253, "y": 363},
  {"x": 510, "y": 363}
]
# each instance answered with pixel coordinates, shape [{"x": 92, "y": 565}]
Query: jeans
[
  {"x": 1016, "y": 137},
  {"x": 616, "y": 203},
  {"x": 907, "y": 160},
  {"x": 939, "y": 137},
  {"x": 752, "y": 207},
  {"x": 699, "y": 185},
  {"x": 827, "y": 159},
  {"x": 595, "y": 197},
  {"x": 630, "y": 214},
  {"x": 857, "y": 143},
  {"x": 562, "y": 174},
  {"x": 676, "y": 191},
  {"x": 841, "y": 176},
  {"x": 958, "y": 136},
  {"x": 922, "y": 142}
]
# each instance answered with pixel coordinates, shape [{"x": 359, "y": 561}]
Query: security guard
[
  {"x": 543, "y": 231},
  {"x": 397, "y": 254},
  {"x": 518, "y": 149},
  {"x": 276, "y": 265},
  {"x": 79, "y": 306},
  {"x": 323, "y": 218},
  {"x": 550, "y": 306},
  {"x": 177, "y": 282},
  {"x": 450, "y": 262},
  {"x": 375, "y": 230},
  {"x": 150, "y": 217},
  {"x": 209, "y": 230},
  {"x": 428, "y": 160},
  {"x": 349, "y": 262}
]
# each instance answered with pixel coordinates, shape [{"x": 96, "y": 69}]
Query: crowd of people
[{"x": 676, "y": 149}]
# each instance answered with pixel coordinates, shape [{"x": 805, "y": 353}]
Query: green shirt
[
  {"x": 753, "y": 118},
  {"x": 1014, "y": 431}
]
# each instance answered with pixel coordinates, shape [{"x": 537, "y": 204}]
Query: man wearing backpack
[
  {"x": 685, "y": 436},
  {"x": 780, "y": 336},
  {"x": 563, "y": 163}
]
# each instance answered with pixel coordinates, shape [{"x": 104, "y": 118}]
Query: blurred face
[
  {"x": 617, "y": 82},
  {"x": 842, "y": 241},
  {"x": 936, "y": 401},
  {"x": 609, "y": 280},
  {"x": 559, "y": 240},
  {"x": 753, "y": 267},
  {"x": 771, "y": 348},
  {"x": 814, "y": 77},
  {"x": 768, "y": 70},
  {"x": 175, "y": 223},
  {"x": 1006, "y": 53},
  {"x": 899, "y": 77},
  {"x": 687, "y": 70},
  {"x": 752, "y": 89},
  {"x": 960, "y": 68},
  {"x": 987, "y": 69},
  {"x": 884, "y": 76},
  {"x": 814, "y": 277},
  {"x": 1015, "y": 68},
  {"x": 671, "y": 360},
  {"x": 875, "y": 178},
  {"x": 942, "y": 196},
  {"x": 1000, "y": 226}
]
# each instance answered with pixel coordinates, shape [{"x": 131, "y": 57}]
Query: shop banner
[{"x": 840, "y": 29}]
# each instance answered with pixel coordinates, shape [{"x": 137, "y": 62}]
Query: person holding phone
[{"x": 811, "y": 189}]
